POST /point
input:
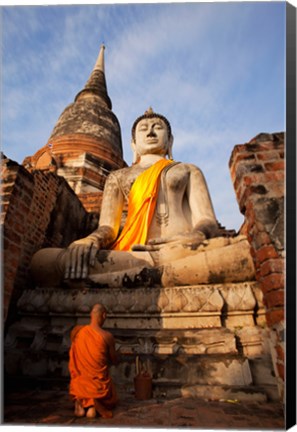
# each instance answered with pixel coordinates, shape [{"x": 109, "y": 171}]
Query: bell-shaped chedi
[{"x": 85, "y": 145}]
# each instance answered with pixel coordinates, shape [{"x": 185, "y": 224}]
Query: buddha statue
[{"x": 171, "y": 235}]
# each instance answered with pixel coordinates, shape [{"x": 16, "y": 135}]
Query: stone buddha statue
[{"x": 171, "y": 236}]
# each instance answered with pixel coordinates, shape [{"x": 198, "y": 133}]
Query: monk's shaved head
[{"x": 98, "y": 309}]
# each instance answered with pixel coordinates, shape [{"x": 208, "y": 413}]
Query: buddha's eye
[{"x": 158, "y": 126}]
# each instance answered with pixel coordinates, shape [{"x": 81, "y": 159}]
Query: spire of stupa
[
  {"x": 100, "y": 59},
  {"x": 96, "y": 83},
  {"x": 85, "y": 144}
]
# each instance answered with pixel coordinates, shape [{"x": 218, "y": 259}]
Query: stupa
[{"x": 85, "y": 144}]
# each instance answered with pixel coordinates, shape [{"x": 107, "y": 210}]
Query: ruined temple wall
[
  {"x": 33, "y": 216},
  {"x": 91, "y": 201},
  {"x": 257, "y": 170},
  {"x": 16, "y": 195}
]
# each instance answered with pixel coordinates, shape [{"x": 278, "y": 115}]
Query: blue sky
[{"x": 215, "y": 70}]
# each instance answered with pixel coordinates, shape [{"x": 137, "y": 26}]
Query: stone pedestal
[{"x": 190, "y": 338}]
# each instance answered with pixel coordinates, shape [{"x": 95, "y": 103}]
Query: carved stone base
[
  {"x": 186, "y": 337},
  {"x": 201, "y": 306}
]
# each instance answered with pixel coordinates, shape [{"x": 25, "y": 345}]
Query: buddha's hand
[
  {"x": 188, "y": 240},
  {"x": 80, "y": 255}
]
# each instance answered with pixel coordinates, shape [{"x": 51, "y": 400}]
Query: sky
[{"x": 215, "y": 70}]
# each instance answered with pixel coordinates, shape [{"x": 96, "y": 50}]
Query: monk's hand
[
  {"x": 80, "y": 255},
  {"x": 194, "y": 238}
]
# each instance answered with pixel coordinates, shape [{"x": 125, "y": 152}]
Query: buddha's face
[{"x": 151, "y": 137}]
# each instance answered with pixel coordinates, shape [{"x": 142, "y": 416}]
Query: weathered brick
[
  {"x": 272, "y": 266},
  {"x": 251, "y": 179},
  {"x": 18, "y": 227},
  {"x": 280, "y": 353},
  {"x": 274, "y": 299},
  {"x": 277, "y": 189},
  {"x": 261, "y": 238},
  {"x": 275, "y": 166},
  {"x": 9, "y": 275},
  {"x": 275, "y": 316},
  {"x": 239, "y": 148},
  {"x": 274, "y": 176},
  {"x": 273, "y": 281},
  {"x": 268, "y": 155},
  {"x": 265, "y": 253},
  {"x": 257, "y": 191},
  {"x": 23, "y": 208},
  {"x": 281, "y": 370},
  {"x": 259, "y": 225},
  {"x": 263, "y": 146},
  {"x": 7, "y": 188},
  {"x": 13, "y": 236}
]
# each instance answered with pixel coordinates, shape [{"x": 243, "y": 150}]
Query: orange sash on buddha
[
  {"x": 88, "y": 366},
  {"x": 142, "y": 202}
]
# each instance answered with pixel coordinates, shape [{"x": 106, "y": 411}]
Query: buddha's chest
[{"x": 173, "y": 180}]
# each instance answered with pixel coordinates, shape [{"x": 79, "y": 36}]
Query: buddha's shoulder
[
  {"x": 184, "y": 166},
  {"x": 125, "y": 172},
  {"x": 123, "y": 178},
  {"x": 120, "y": 173}
]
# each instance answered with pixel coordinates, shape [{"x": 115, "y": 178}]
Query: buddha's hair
[{"x": 147, "y": 115}]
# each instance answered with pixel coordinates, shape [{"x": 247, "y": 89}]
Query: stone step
[
  {"x": 38, "y": 334},
  {"x": 162, "y": 389},
  {"x": 187, "y": 369},
  {"x": 232, "y": 394},
  {"x": 165, "y": 389}
]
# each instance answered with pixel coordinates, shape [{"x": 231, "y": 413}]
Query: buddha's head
[{"x": 151, "y": 134}]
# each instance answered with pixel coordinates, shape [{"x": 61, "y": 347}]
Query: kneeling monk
[{"x": 91, "y": 352}]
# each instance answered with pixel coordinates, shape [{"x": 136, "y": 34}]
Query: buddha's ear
[
  {"x": 169, "y": 149},
  {"x": 135, "y": 154}
]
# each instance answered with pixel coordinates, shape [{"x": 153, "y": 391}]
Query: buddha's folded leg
[
  {"x": 216, "y": 260},
  {"x": 48, "y": 267},
  {"x": 221, "y": 260}
]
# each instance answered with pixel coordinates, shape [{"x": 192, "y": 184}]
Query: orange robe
[
  {"x": 142, "y": 202},
  {"x": 88, "y": 367}
]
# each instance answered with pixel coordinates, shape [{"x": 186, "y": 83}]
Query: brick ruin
[
  {"x": 258, "y": 174},
  {"x": 38, "y": 209},
  {"x": 54, "y": 198}
]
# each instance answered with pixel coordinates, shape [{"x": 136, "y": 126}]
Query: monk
[
  {"x": 170, "y": 237},
  {"x": 91, "y": 352}
]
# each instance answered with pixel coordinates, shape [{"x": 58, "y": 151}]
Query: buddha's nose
[{"x": 151, "y": 133}]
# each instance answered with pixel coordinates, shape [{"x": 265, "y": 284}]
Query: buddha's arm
[
  {"x": 202, "y": 212},
  {"x": 111, "y": 212},
  {"x": 81, "y": 253}
]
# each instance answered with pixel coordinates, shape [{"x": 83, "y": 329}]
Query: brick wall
[
  {"x": 33, "y": 216},
  {"x": 257, "y": 171},
  {"x": 91, "y": 201}
]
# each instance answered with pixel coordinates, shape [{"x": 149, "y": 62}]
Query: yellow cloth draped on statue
[{"x": 142, "y": 202}]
